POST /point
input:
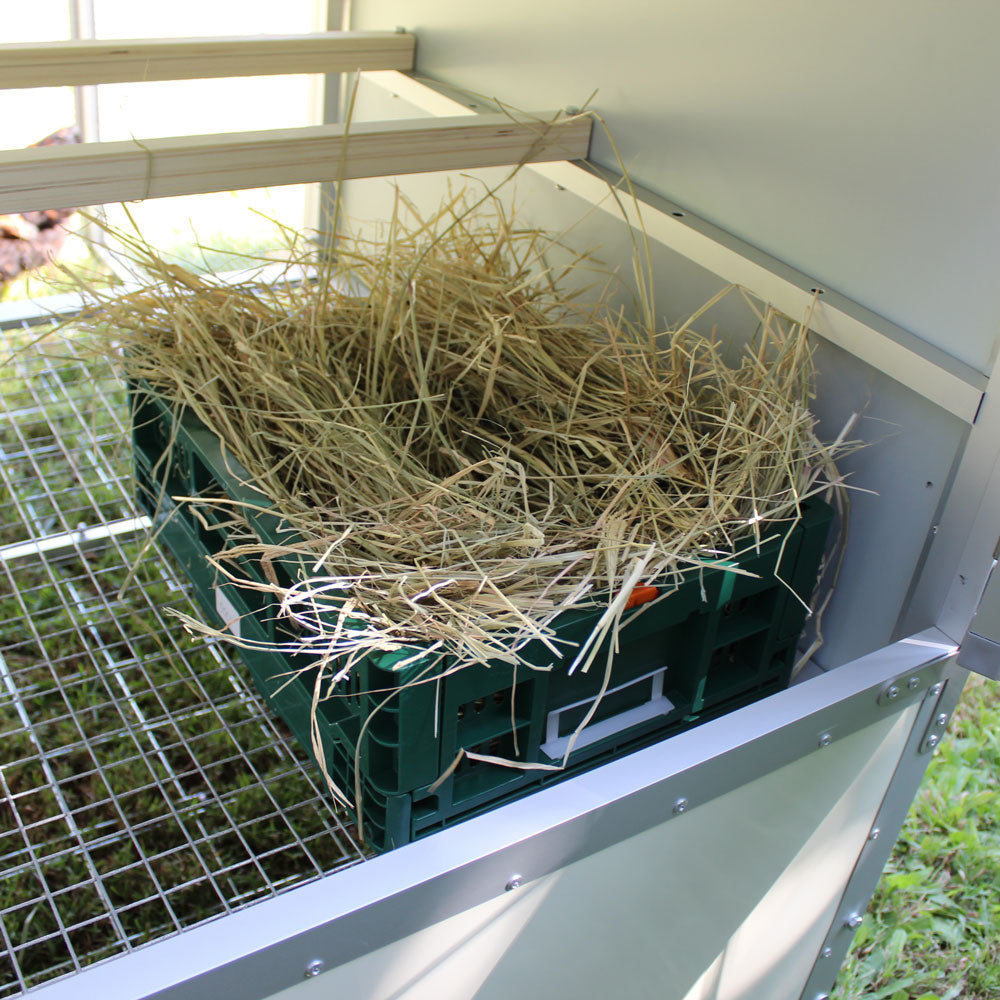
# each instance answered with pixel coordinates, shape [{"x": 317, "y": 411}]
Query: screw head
[
  {"x": 825, "y": 740},
  {"x": 315, "y": 967},
  {"x": 942, "y": 719},
  {"x": 933, "y": 741},
  {"x": 874, "y": 834},
  {"x": 913, "y": 682},
  {"x": 854, "y": 921},
  {"x": 937, "y": 688},
  {"x": 827, "y": 952},
  {"x": 514, "y": 882},
  {"x": 680, "y": 806},
  {"x": 892, "y": 692}
]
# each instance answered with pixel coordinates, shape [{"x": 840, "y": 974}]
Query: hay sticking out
[{"x": 464, "y": 452}]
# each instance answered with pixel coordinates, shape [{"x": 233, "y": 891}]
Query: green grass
[
  {"x": 932, "y": 931},
  {"x": 140, "y": 790}
]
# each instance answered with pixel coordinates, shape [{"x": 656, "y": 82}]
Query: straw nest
[{"x": 460, "y": 450}]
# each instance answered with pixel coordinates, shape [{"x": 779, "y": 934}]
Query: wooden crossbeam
[
  {"x": 97, "y": 173},
  {"x": 76, "y": 63}
]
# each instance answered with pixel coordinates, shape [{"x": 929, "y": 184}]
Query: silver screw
[
  {"x": 827, "y": 952},
  {"x": 913, "y": 682},
  {"x": 515, "y": 882},
  {"x": 825, "y": 740},
  {"x": 892, "y": 692},
  {"x": 942, "y": 719},
  {"x": 874, "y": 834},
  {"x": 315, "y": 967},
  {"x": 854, "y": 921},
  {"x": 933, "y": 741},
  {"x": 937, "y": 688},
  {"x": 680, "y": 806}
]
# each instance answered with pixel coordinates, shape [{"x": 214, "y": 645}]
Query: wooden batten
[
  {"x": 92, "y": 61},
  {"x": 97, "y": 173}
]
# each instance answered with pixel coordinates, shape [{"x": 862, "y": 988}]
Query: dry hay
[{"x": 464, "y": 452}]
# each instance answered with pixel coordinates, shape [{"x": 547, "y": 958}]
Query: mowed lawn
[{"x": 932, "y": 931}]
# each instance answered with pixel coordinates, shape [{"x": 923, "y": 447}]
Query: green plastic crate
[{"x": 720, "y": 641}]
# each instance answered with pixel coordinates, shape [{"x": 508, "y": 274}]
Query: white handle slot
[{"x": 555, "y": 745}]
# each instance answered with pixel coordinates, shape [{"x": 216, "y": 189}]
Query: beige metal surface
[
  {"x": 843, "y": 137},
  {"x": 728, "y": 902}
]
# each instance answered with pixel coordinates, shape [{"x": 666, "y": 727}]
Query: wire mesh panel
[{"x": 144, "y": 787}]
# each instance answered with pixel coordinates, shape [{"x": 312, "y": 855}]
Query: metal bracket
[
  {"x": 899, "y": 687},
  {"x": 938, "y": 720}
]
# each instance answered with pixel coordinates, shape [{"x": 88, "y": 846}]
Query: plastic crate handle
[{"x": 659, "y": 704}]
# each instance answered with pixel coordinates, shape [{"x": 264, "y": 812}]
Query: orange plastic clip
[{"x": 641, "y": 595}]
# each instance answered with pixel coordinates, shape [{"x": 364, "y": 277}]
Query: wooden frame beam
[
  {"x": 91, "y": 61},
  {"x": 96, "y": 173}
]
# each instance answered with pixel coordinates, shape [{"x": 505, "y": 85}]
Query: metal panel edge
[
  {"x": 981, "y": 654},
  {"x": 257, "y": 951},
  {"x": 960, "y": 555},
  {"x": 933, "y": 717}
]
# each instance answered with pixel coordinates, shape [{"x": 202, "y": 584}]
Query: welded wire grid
[{"x": 145, "y": 788}]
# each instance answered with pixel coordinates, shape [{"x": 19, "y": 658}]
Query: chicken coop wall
[{"x": 376, "y": 903}]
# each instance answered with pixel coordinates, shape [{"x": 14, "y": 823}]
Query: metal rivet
[
  {"x": 680, "y": 806},
  {"x": 827, "y": 952},
  {"x": 315, "y": 967},
  {"x": 892, "y": 692},
  {"x": 854, "y": 921},
  {"x": 913, "y": 682},
  {"x": 874, "y": 834},
  {"x": 942, "y": 719},
  {"x": 825, "y": 740},
  {"x": 933, "y": 741},
  {"x": 514, "y": 882},
  {"x": 937, "y": 688}
]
